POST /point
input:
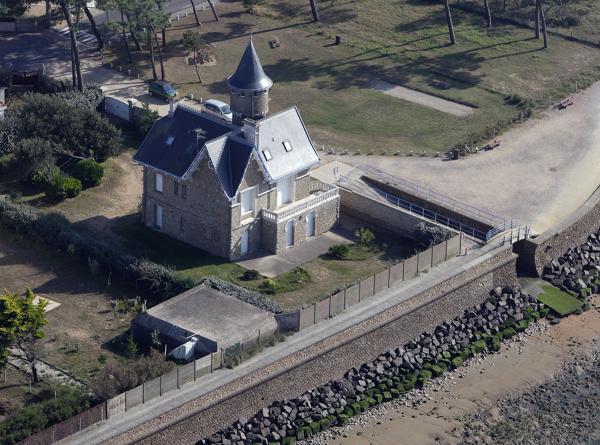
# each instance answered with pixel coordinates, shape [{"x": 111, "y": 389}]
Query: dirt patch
[{"x": 78, "y": 330}]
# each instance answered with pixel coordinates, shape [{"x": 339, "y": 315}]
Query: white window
[
  {"x": 287, "y": 145},
  {"x": 248, "y": 200},
  {"x": 267, "y": 154},
  {"x": 285, "y": 190},
  {"x": 158, "y": 216},
  {"x": 170, "y": 140},
  {"x": 158, "y": 182}
]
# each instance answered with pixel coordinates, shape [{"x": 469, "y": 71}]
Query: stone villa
[{"x": 235, "y": 188}]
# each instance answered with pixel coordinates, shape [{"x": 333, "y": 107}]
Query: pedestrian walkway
[{"x": 82, "y": 37}]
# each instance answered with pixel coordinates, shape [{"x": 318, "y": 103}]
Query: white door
[
  {"x": 244, "y": 241},
  {"x": 310, "y": 224},
  {"x": 285, "y": 190},
  {"x": 158, "y": 216},
  {"x": 289, "y": 233}
]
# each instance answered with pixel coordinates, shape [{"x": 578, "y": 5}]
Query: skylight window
[
  {"x": 287, "y": 145},
  {"x": 267, "y": 154},
  {"x": 170, "y": 140}
]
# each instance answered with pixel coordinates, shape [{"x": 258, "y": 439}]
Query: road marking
[{"x": 82, "y": 36}]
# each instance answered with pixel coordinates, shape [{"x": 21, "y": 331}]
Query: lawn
[
  {"x": 307, "y": 284},
  {"x": 560, "y": 301},
  {"x": 403, "y": 42}
]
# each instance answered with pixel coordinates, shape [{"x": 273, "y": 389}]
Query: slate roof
[
  {"x": 272, "y": 132},
  {"x": 176, "y": 157},
  {"x": 172, "y": 147},
  {"x": 250, "y": 74},
  {"x": 230, "y": 158}
]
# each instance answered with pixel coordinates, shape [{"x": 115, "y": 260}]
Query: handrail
[
  {"x": 293, "y": 210},
  {"x": 416, "y": 209},
  {"x": 428, "y": 193}
]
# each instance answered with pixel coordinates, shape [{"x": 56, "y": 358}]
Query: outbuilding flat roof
[{"x": 211, "y": 314}]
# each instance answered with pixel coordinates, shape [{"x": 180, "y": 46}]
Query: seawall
[
  {"x": 535, "y": 253},
  {"x": 331, "y": 357}
]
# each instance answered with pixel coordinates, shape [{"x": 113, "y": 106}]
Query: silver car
[{"x": 218, "y": 108}]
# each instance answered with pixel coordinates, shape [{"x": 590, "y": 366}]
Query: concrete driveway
[{"x": 543, "y": 171}]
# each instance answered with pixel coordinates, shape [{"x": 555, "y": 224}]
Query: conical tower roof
[{"x": 250, "y": 74}]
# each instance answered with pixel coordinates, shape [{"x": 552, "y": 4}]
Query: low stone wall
[
  {"x": 330, "y": 358},
  {"x": 536, "y": 253}
]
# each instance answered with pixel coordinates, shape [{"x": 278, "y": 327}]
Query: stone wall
[
  {"x": 378, "y": 214},
  {"x": 205, "y": 210},
  {"x": 332, "y": 357},
  {"x": 535, "y": 253}
]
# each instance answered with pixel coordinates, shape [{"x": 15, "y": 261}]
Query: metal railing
[
  {"x": 446, "y": 201},
  {"x": 509, "y": 229},
  {"x": 300, "y": 207}
]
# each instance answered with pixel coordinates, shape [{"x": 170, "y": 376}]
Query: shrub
[
  {"x": 250, "y": 275},
  {"x": 269, "y": 286},
  {"x": 365, "y": 237},
  {"x": 89, "y": 172},
  {"x": 151, "y": 366},
  {"x": 34, "y": 154},
  {"x": 42, "y": 177},
  {"x": 146, "y": 119},
  {"x": 315, "y": 427},
  {"x": 63, "y": 187},
  {"x": 339, "y": 251},
  {"x": 457, "y": 362},
  {"x": 428, "y": 235},
  {"x": 59, "y": 404}
]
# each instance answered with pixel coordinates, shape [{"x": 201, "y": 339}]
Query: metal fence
[{"x": 371, "y": 285}]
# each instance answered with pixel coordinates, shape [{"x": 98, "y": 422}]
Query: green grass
[{"x": 560, "y": 301}]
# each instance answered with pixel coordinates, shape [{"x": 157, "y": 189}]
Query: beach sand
[{"x": 436, "y": 415}]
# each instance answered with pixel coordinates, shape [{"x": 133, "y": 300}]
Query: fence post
[
  {"x": 446, "y": 251},
  {"x": 460, "y": 243},
  {"x": 211, "y": 362},
  {"x": 418, "y": 256},
  {"x": 389, "y": 277},
  {"x": 431, "y": 265},
  {"x": 160, "y": 384},
  {"x": 314, "y": 313}
]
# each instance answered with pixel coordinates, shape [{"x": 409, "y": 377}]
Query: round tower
[{"x": 249, "y": 88}]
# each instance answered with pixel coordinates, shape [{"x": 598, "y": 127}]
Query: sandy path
[
  {"x": 543, "y": 171},
  {"x": 518, "y": 367},
  {"x": 427, "y": 100}
]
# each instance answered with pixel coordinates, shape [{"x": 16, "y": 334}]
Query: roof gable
[
  {"x": 229, "y": 158},
  {"x": 283, "y": 146}
]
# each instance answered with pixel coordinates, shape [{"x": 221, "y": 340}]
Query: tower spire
[{"x": 249, "y": 87}]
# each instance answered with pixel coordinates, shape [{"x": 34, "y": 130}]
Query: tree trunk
[
  {"x": 160, "y": 57},
  {"x": 74, "y": 49},
  {"x": 197, "y": 70},
  {"x": 138, "y": 47},
  {"x": 212, "y": 7},
  {"x": 195, "y": 12},
  {"x": 488, "y": 13},
  {"x": 92, "y": 21},
  {"x": 450, "y": 24},
  {"x": 314, "y": 10},
  {"x": 543, "y": 19},
  {"x": 48, "y": 11},
  {"x": 34, "y": 372},
  {"x": 154, "y": 75},
  {"x": 537, "y": 19},
  {"x": 73, "y": 70},
  {"x": 125, "y": 38}
]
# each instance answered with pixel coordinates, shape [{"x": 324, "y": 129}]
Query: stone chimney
[{"x": 250, "y": 129}]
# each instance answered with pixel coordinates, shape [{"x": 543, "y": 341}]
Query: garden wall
[{"x": 535, "y": 253}]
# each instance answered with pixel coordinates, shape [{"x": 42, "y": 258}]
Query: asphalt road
[{"x": 29, "y": 51}]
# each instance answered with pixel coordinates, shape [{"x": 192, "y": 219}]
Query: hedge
[{"x": 154, "y": 281}]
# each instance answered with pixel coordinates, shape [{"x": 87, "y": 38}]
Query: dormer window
[
  {"x": 267, "y": 154},
  {"x": 170, "y": 140},
  {"x": 287, "y": 145}
]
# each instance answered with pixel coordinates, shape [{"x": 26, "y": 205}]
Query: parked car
[
  {"x": 218, "y": 108},
  {"x": 162, "y": 89}
]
